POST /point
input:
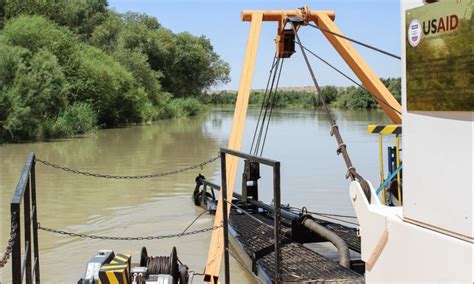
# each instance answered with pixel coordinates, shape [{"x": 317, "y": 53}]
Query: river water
[{"x": 312, "y": 176}]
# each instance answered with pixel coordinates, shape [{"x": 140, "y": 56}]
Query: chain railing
[
  {"x": 8, "y": 250},
  {"x": 113, "y": 238},
  {"x": 107, "y": 176}
]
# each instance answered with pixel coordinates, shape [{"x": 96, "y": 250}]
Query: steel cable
[
  {"x": 264, "y": 97},
  {"x": 356, "y": 41},
  {"x": 272, "y": 105},
  {"x": 350, "y": 79},
  {"x": 342, "y": 148}
]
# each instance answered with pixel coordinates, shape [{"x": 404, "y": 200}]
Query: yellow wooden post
[
  {"x": 370, "y": 80},
  {"x": 397, "y": 156},
  {"x": 381, "y": 166},
  {"x": 216, "y": 247}
]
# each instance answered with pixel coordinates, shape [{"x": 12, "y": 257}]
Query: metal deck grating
[{"x": 299, "y": 262}]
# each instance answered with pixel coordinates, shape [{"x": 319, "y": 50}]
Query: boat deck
[{"x": 299, "y": 263}]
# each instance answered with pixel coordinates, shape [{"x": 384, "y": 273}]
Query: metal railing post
[
  {"x": 277, "y": 219},
  {"x": 25, "y": 192},
  {"x": 34, "y": 210},
  {"x": 16, "y": 249},
  {"x": 225, "y": 217},
  {"x": 27, "y": 235}
]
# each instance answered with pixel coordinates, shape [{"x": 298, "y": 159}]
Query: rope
[
  {"x": 107, "y": 176},
  {"x": 342, "y": 148},
  {"x": 356, "y": 41},
  {"x": 389, "y": 179},
  {"x": 195, "y": 219}
]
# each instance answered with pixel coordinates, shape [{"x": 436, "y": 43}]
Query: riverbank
[{"x": 352, "y": 97}]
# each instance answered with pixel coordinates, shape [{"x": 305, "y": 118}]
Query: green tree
[
  {"x": 81, "y": 16},
  {"x": 39, "y": 90},
  {"x": 196, "y": 66}
]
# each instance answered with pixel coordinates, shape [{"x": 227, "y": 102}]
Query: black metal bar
[
  {"x": 277, "y": 219},
  {"x": 204, "y": 194},
  {"x": 225, "y": 217},
  {"x": 25, "y": 263},
  {"x": 21, "y": 186},
  {"x": 22, "y": 270},
  {"x": 276, "y": 197},
  {"x": 27, "y": 236},
  {"x": 16, "y": 249},
  {"x": 252, "y": 158},
  {"x": 284, "y": 213},
  {"x": 36, "y": 267},
  {"x": 211, "y": 184}
]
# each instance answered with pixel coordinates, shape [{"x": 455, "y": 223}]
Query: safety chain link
[
  {"x": 8, "y": 250},
  {"x": 85, "y": 173},
  {"x": 148, "y": 238}
]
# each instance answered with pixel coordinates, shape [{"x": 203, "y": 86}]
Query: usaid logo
[{"x": 414, "y": 33}]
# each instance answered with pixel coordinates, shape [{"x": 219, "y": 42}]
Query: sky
[{"x": 374, "y": 22}]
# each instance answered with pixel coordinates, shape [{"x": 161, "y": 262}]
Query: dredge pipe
[{"x": 338, "y": 242}]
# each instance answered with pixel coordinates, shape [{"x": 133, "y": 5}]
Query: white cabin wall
[{"x": 438, "y": 162}]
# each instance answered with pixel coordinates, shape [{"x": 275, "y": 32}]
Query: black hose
[{"x": 338, "y": 242}]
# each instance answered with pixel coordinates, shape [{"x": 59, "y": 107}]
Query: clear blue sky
[{"x": 375, "y": 22}]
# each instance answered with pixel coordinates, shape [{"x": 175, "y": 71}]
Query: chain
[
  {"x": 8, "y": 251},
  {"x": 182, "y": 170},
  {"x": 147, "y": 238}
]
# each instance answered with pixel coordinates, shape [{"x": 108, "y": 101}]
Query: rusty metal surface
[{"x": 298, "y": 262}]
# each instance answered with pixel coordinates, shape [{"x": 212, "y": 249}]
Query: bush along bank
[
  {"x": 339, "y": 97},
  {"x": 67, "y": 68}
]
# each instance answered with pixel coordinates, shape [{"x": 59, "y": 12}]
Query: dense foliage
[
  {"x": 67, "y": 67},
  {"x": 342, "y": 97}
]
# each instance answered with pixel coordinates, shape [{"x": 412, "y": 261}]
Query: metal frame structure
[
  {"x": 22, "y": 268},
  {"x": 324, "y": 20},
  {"x": 228, "y": 202}
]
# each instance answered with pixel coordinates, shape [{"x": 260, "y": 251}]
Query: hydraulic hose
[{"x": 338, "y": 242}]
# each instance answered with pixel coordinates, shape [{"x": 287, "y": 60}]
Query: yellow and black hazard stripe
[
  {"x": 114, "y": 274},
  {"x": 386, "y": 129},
  {"x": 121, "y": 259}
]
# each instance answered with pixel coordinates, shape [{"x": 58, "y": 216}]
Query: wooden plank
[
  {"x": 216, "y": 247},
  {"x": 377, "y": 250},
  {"x": 370, "y": 80}
]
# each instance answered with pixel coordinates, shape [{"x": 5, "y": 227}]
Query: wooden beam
[
  {"x": 216, "y": 247},
  {"x": 278, "y": 15},
  {"x": 370, "y": 80}
]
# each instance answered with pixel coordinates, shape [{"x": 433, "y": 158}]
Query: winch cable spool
[
  {"x": 165, "y": 265},
  {"x": 342, "y": 148}
]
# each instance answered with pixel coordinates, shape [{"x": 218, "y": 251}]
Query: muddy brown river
[{"x": 312, "y": 176}]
